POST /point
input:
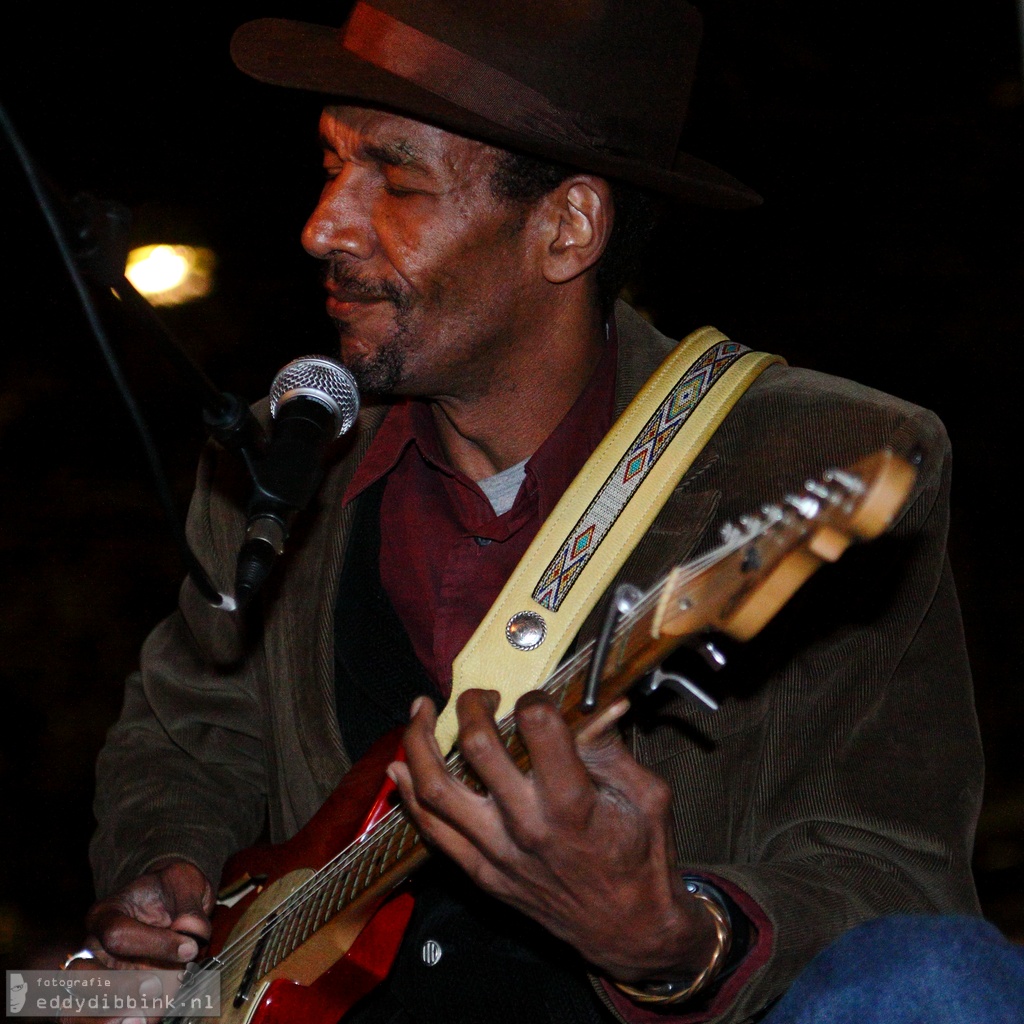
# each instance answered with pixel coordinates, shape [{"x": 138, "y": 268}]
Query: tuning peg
[
  {"x": 711, "y": 654},
  {"x": 852, "y": 483},
  {"x": 680, "y": 685},
  {"x": 730, "y": 533},
  {"x": 805, "y": 506}
]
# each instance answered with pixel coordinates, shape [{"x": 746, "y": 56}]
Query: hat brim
[{"x": 299, "y": 55}]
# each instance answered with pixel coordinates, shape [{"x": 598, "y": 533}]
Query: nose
[{"x": 340, "y": 222}]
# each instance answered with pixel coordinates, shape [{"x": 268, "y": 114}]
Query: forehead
[{"x": 392, "y": 139}]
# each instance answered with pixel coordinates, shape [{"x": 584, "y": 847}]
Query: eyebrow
[{"x": 400, "y": 153}]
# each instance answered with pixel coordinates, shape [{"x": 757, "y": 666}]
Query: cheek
[{"x": 429, "y": 263}]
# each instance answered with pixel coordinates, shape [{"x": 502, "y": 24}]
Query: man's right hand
[{"x": 159, "y": 920}]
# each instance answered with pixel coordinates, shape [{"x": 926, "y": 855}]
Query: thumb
[{"x": 188, "y": 896}]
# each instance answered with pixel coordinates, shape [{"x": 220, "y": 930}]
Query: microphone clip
[{"x": 313, "y": 401}]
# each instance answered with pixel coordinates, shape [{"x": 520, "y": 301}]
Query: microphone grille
[{"x": 322, "y": 379}]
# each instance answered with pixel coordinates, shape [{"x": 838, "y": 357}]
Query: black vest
[{"x": 466, "y": 958}]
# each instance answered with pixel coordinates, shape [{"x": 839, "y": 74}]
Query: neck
[{"x": 531, "y": 392}]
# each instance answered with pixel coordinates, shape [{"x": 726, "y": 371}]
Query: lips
[{"x": 344, "y": 303}]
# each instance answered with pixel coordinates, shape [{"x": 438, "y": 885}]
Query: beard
[{"x": 382, "y": 372}]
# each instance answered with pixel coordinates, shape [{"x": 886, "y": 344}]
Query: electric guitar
[{"x": 304, "y": 929}]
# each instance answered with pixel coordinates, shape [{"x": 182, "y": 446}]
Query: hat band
[{"x": 402, "y": 50}]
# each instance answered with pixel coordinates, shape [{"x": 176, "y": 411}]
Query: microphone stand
[{"x": 92, "y": 237}]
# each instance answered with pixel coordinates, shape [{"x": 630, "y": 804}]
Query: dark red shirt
[{"x": 444, "y": 553}]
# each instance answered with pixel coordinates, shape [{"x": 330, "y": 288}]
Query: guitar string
[{"x": 366, "y": 846}]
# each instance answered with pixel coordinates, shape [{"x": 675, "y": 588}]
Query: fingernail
[
  {"x": 391, "y": 773},
  {"x": 151, "y": 987},
  {"x": 187, "y": 950},
  {"x": 618, "y": 709},
  {"x": 416, "y": 705}
]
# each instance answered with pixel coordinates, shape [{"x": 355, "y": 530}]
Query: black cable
[{"x": 163, "y": 490}]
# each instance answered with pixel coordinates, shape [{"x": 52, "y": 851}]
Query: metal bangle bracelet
[{"x": 668, "y": 992}]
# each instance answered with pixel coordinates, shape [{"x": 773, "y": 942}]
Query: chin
[{"x": 381, "y": 373}]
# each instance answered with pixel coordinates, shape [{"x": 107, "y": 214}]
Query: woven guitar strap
[{"x": 601, "y": 518}]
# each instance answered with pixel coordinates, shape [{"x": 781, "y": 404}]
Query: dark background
[{"x": 886, "y": 138}]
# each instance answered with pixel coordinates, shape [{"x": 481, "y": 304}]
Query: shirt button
[
  {"x": 431, "y": 952},
  {"x": 482, "y": 541}
]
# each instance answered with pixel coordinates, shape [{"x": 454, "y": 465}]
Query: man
[{"x": 694, "y": 872}]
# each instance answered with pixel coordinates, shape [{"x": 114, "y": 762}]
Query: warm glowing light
[{"x": 170, "y": 274}]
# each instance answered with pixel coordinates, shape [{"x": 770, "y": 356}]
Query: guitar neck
[{"x": 734, "y": 590}]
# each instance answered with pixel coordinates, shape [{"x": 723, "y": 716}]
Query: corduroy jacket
[{"x": 839, "y": 781}]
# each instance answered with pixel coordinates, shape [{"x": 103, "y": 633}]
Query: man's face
[
  {"x": 428, "y": 274},
  {"x": 18, "y": 992}
]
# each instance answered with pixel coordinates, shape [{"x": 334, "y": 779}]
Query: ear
[{"x": 579, "y": 218}]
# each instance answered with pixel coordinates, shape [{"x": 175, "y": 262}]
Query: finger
[
  {"x": 485, "y": 751},
  {"x": 604, "y": 726},
  {"x": 431, "y": 784},
  {"x": 420, "y": 740},
  {"x": 124, "y": 937},
  {"x": 434, "y": 830},
  {"x": 559, "y": 775},
  {"x": 604, "y": 753}
]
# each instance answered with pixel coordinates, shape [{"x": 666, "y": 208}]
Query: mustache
[{"x": 338, "y": 277}]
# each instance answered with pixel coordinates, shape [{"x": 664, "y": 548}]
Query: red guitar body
[{"x": 362, "y": 797}]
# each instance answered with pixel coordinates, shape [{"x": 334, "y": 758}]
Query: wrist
[{"x": 714, "y": 912}]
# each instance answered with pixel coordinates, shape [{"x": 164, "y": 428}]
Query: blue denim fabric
[{"x": 910, "y": 970}]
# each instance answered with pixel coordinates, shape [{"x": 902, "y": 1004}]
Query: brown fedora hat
[{"x": 601, "y": 85}]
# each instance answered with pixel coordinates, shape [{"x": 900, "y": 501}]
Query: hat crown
[
  {"x": 601, "y": 85},
  {"x": 621, "y": 70}
]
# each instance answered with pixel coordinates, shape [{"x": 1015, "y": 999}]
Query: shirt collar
[{"x": 549, "y": 470}]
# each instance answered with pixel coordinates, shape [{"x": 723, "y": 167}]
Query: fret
[
  {"x": 332, "y": 902},
  {"x": 316, "y": 906},
  {"x": 289, "y": 939},
  {"x": 259, "y": 960},
  {"x": 392, "y": 832},
  {"x": 376, "y": 866},
  {"x": 302, "y": 916},
  {"x": 268, "y": 949},
  {"x": 346, "y": 893},
  {"x": 361, "y": 875}
]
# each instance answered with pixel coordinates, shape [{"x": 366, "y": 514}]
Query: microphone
[{"x": 313, "y": 401}]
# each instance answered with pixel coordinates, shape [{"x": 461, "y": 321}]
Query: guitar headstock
[{"x": 775, "y": 551}]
